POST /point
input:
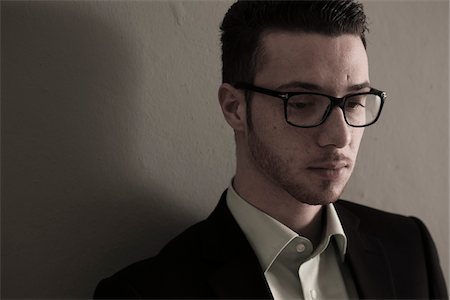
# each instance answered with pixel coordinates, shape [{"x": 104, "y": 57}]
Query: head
[
  {"x": 246, "y": 23},
  {"x": 298, "y": 46}
]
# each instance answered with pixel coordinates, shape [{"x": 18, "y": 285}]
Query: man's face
[{"x": 312, "y": 164}]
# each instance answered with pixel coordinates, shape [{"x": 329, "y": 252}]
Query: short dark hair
[{"x": 246, "y": 21}]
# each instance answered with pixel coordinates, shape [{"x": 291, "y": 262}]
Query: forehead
[{"x": 328, "y": 61}]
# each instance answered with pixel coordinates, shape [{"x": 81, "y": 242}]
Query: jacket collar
[
  {"x": 237, "y": 273},
  {"x": 367, "y": 258}
]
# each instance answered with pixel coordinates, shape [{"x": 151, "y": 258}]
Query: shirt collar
[{"x": 268, "y": 237}]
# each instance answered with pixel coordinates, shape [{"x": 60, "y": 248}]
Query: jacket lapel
[
  {"x": 237, "y": 272},
  {"x": 366, "y": 257}
]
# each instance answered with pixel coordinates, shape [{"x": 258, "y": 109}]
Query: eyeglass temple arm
[{"x": 246, "y": 86}]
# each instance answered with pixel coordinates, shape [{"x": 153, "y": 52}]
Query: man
[{"x": 297, "y": 94}]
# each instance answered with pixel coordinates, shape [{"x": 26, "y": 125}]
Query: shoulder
[
  {"x": 397, "y": 233},
  {"x": 391, "y": 229},
  {"x": 405, "y": 240},
  {"x": 180, "y": 262},
  {"x": 188, "y": 261}
]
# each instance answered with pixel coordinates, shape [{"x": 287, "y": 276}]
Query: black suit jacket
[{"x": 390, "y": 256}]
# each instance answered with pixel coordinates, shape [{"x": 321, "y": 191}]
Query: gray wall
[{"x": 113, "y": 140}]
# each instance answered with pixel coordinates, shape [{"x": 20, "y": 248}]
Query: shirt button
[
  {"x": 313, "y": 294},
  {"x": 300, "y": 248}
]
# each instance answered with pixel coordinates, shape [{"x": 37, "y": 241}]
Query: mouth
[{"x": 330, "y": 171}]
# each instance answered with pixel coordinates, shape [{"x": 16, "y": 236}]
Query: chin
[{"x": 325, "y": 196}]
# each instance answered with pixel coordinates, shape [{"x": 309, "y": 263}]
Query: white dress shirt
[{"x": 292, "y": 268}]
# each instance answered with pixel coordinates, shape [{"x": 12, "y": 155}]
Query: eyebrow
[{"x": 317, "y": 88}]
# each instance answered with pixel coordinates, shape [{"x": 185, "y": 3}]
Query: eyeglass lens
[{"x": 310, "y": 110}]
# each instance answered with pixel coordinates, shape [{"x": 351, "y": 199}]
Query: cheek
[
  {"x": 270, "y": 126},
  {"x": 268, "y": 110},
  {"x": 268, "y": 120},
  {"x": 297, "y": 143},
  {"x": 357, "y": 135}
]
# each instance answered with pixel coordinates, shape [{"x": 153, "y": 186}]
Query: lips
[
  {"x": 329, "y": 170},
  {"x": 331, "y": 165}
]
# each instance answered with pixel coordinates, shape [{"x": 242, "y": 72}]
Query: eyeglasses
[{"x": 306, "y": 110}]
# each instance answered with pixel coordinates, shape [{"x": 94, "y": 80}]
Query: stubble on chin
[{"x": 327, "y": 192}]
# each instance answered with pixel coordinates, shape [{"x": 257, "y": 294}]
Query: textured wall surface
[{"x": 113, "y": 140}]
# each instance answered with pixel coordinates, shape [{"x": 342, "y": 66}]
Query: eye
[
  {"x": 300, "y": 105},
  {"x": 356, "y": 102},
  {"x": 353, "y": 104},
  {"x": 306, "y": 102}
]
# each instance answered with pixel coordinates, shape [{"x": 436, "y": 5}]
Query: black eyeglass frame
[{"x": 334, "y": 101}]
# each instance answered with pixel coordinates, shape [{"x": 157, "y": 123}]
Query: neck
[{"x": 269, "y": 197}]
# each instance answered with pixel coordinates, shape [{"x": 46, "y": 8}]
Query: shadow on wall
[{"x": 71, "y": 212}]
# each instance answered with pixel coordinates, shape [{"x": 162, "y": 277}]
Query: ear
[{"x": 232, "y": 102}]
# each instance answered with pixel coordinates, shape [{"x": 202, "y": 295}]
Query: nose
[{"x": 335, "y": 131}]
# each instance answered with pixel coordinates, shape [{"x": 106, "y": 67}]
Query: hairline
[{"x": 258, "y": 58}]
